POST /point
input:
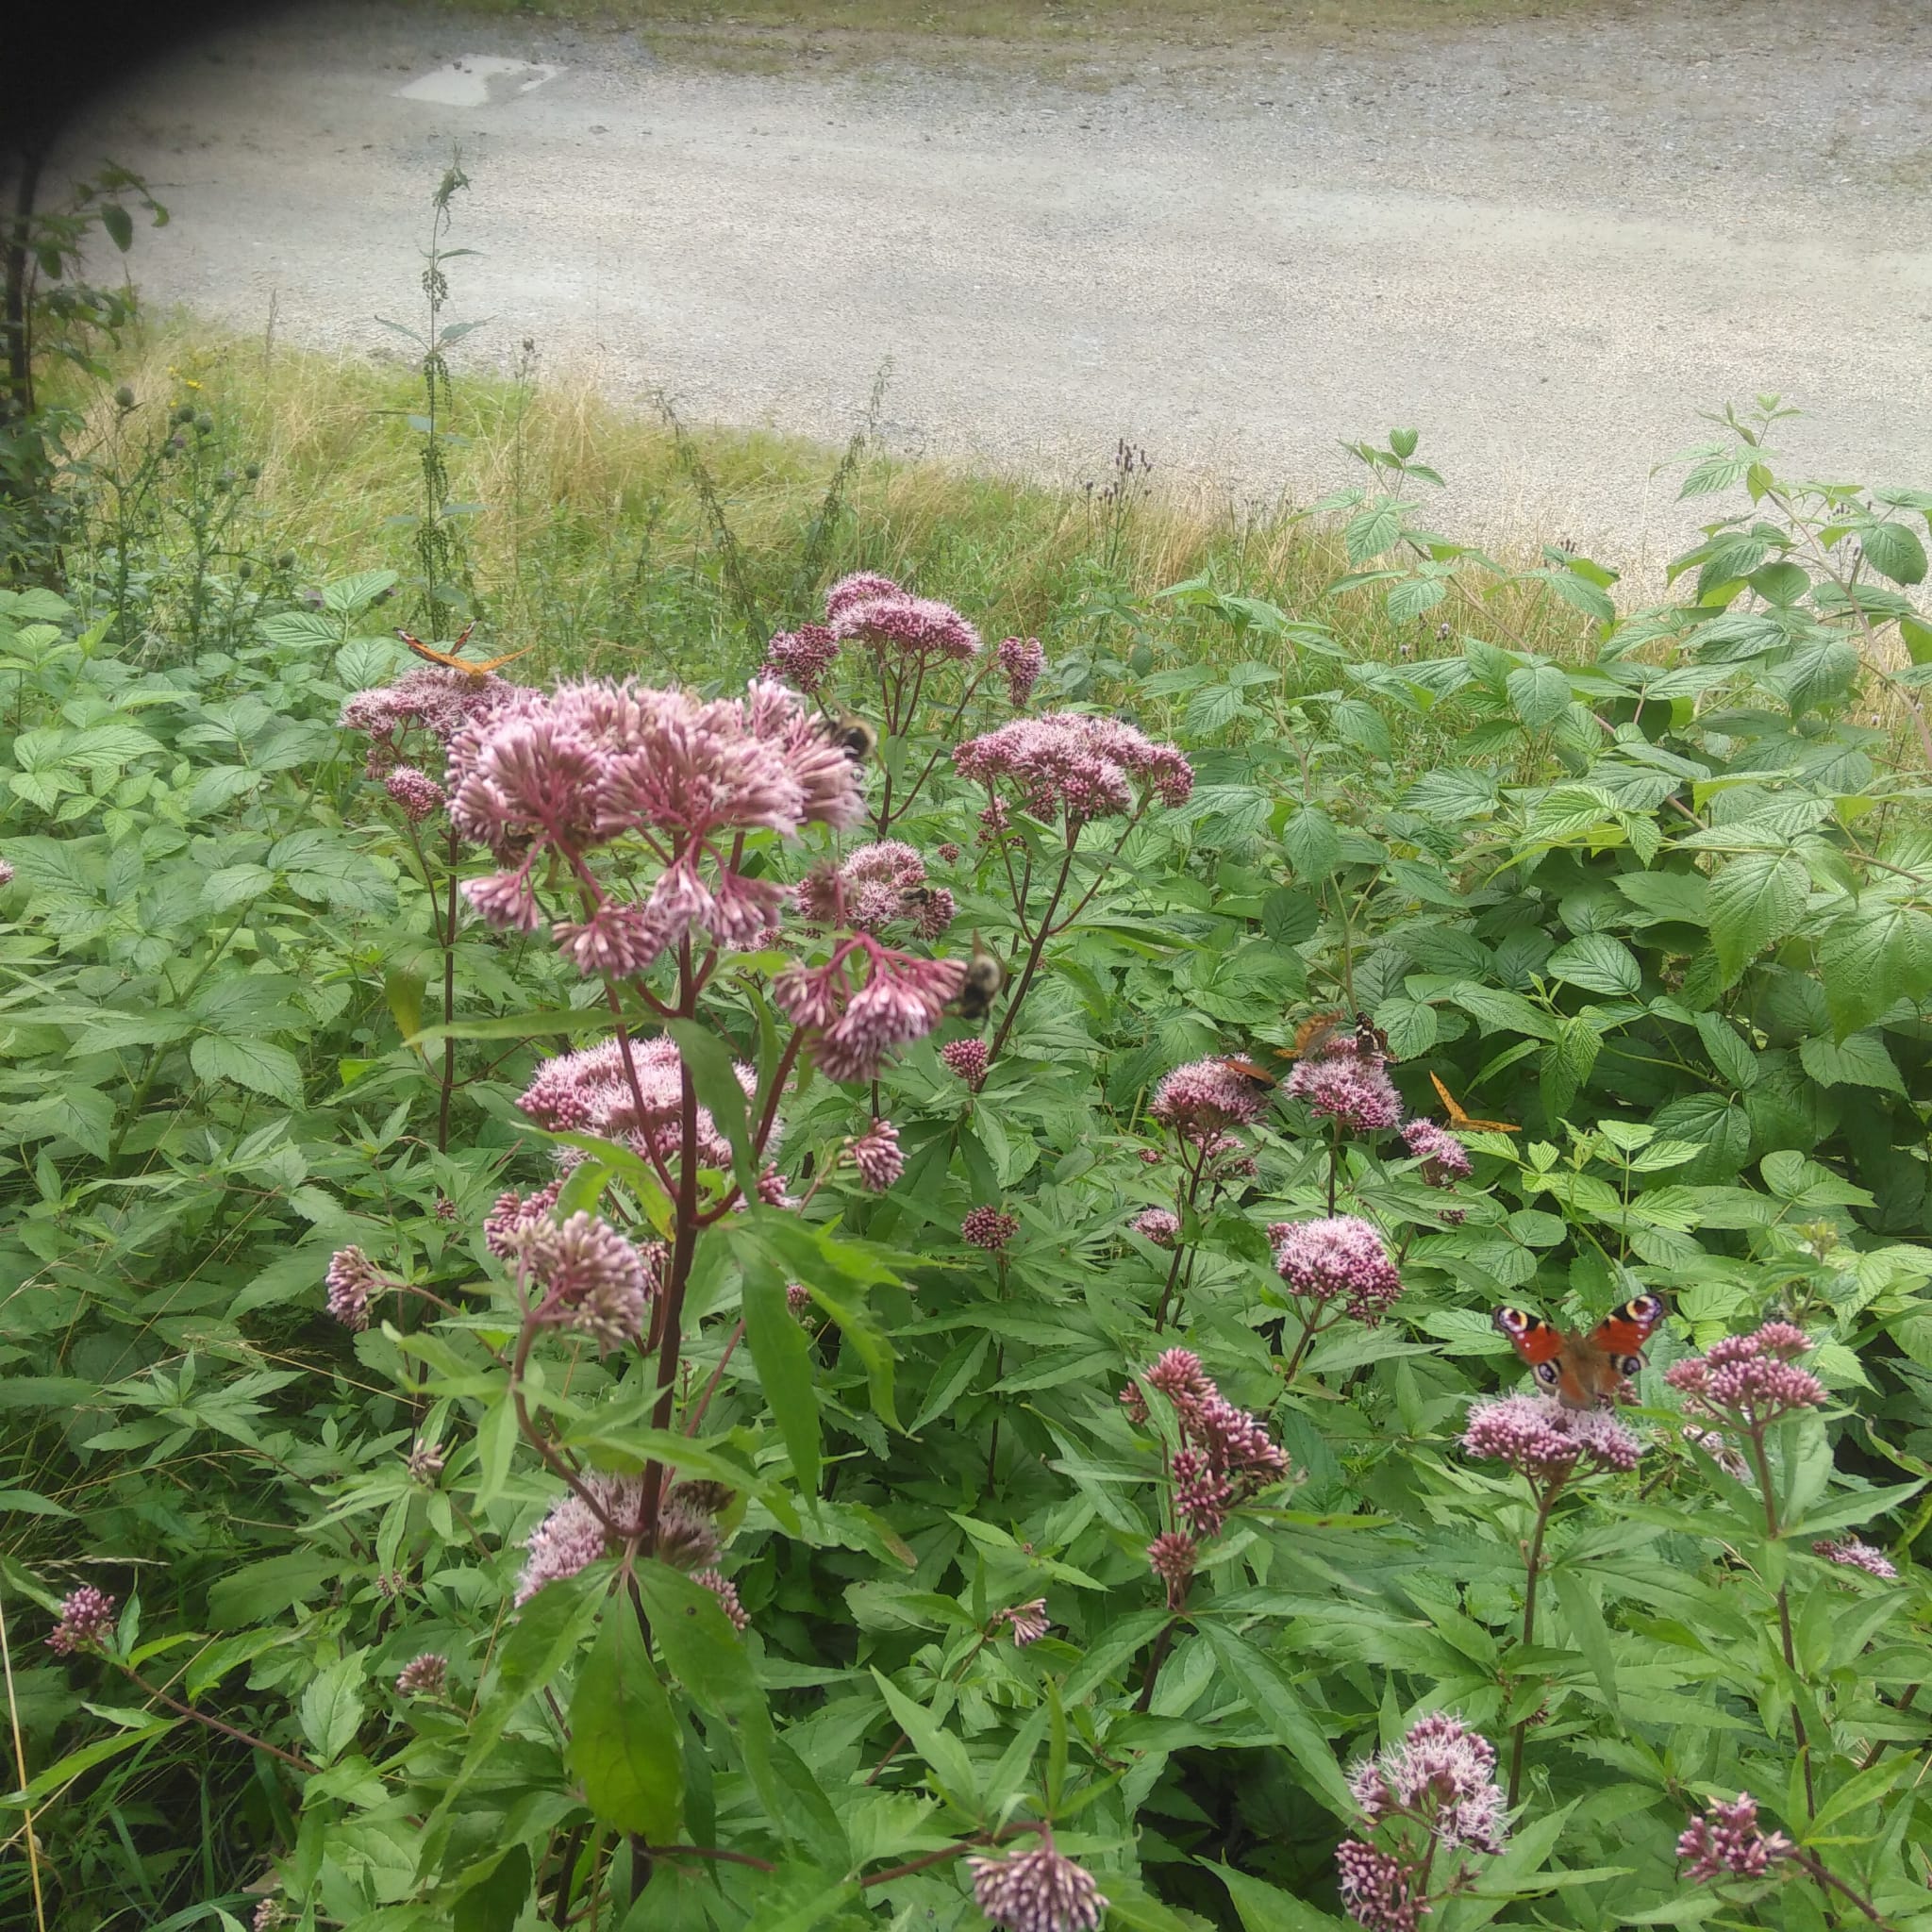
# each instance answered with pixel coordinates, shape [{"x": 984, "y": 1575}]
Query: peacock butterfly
[{"x": 1584, "y": 1371}]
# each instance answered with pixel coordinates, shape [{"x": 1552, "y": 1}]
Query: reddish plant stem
[
  {"x": 1043, "y": 932},
  {"x": 715, "y": 1852},
  {"x": 939, "y": 1857},
  {"x": 1156, "y": 1657},
  {"x": 1830, "y": 1881},
  {"x": 215, "y": 1724},
  {"x": 537, "y": 1439},
  {"x": 697, "y": 1414}
]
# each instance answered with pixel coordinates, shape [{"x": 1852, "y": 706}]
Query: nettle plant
[{"x": 964, "y": 1373}]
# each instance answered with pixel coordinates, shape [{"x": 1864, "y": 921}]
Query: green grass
[{"x": 593, "y": 544}]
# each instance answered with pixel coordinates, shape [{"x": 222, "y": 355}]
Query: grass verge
[{"x": 608, "y": 540}]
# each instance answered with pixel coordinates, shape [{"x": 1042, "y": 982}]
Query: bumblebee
[
  {"x": 985, "y": 975},
  {"x": 853, "y": 736}
]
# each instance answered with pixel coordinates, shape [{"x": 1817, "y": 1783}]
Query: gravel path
[{"x": 1548, "y": 245}]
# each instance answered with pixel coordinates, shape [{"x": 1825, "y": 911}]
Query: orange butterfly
[
  {"x": 1458, "y": 1118},
  {"x": 1312, "y": 1036},
  {"x": 1256, "y": 1077},
  {"x": 452, "y": 662}
]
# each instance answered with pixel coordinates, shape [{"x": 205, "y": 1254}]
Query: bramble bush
[{"x": 619, "y": 1315}]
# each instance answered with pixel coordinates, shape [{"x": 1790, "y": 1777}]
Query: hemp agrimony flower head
[
  {"x": 1348, "y": 1085},
  {"x": 353, "y": 1281},
  {"x": 589, "y": 1276},
  {"x": 725, "y": 1592},
  {"x": 876, "y": 1155},
  {"x": 989, "y": 1227},
  {"x": 1161, "y": 1226},
  {"x": 801, "y": 658},
  {"x": 1040, "y": 1891},
  {"x": 1202, "y": 1099},
  {"x": 1226, "y": 1456},
  {"x": 1444, "y": 1776},
  {"x": 1085, "y": 767},
  {"x": 1339, "y": 1256},
  {"x": 878, "y": 884},
  {"x": 86, "y": 1620},
  {"x": 1852, "y": 1552},
  {"x": 1426, "y": 1802},
  {"x": 874, "y": 611},
  {"x": 429, "y": 698},
  {"x": 592, "y": 1092},
  {"x": 865, "y": 1002},
  {"x": 416, "y": 791},
  {"x": 1022, "y": 659},
  {"x": 1746, "y": 1382},
  {"x": 1026, "y": 1623},
  {"x": 968, "y": 1058},
  {"x": 556, "y": 776},
  {"x": 423, "y": 1677},
  {"x": 575, "y": 1535},
  {"x": 1725, "y": 1840},
  {"x": 1543, "y": 1441},
  {"x": 1444, "y": 1158}
]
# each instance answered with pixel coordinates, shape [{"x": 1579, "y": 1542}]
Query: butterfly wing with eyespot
[
  {"x": 1621, "y": 1335},
  {"x": 1539, "y": 1342}
]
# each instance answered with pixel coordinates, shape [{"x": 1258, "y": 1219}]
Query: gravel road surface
[{"x": 1548, "y": 245}]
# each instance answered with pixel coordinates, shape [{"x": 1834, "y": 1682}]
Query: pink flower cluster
[
  {"x": 1746, "y": 1382},
  {"x": 513, "y": 1214},
  {"x": 416, "y": 791},
  {"x": 86, "y": 1620},
  {"x": 873, "y": 610},
  {"x": 351, "y": 1280},
  {"x": 989, "y": 1227},
  {"x": 1201, "y": 1100},
  {"x": 590, "y": 1093},
  {"x": 427, "y": 697},
  {"x": 593, "y": 1279},
  {"x": 1226, "y": 1454},
  {"x": 1086, "y": 767},
  {"x": 877, "y": 884},
  {"x": 423, "y": 1677},
  {"x": 725, "y": 1592},
  {"x": 852, "y": 1023},
  {"x": 801, "y": 657},
  {"x": 564, "y": 773},
  {"x": 1341, "y": 1256},
  {"x": 1443, "y": 1775},
  {"x": 1172, "y": 1556},
  {"x": 1022, "y": 659},
  {"x": 1349, "y": 1085},
  {"x": 1445, "y": 1160},
  {"x": 1040, "y": 1891},
  {"x": 1161, "y": 1226},
  {"x": 876, "y": 1155},
  {"x": 968, "y": 1058},
  {"x": 573, "y": 1534},
  {"x": 1543, "y": 1441},
  {"x": 1026, "y": 1623},
  {"x": 1726, "y": 1839},
  {"x": 1377, "y": 1889},
  {"x": 1855, "y": 1554}
]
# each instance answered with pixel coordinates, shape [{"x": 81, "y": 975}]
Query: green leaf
[
  {"x": 1871, "y": 957},
  {"x": 1411, "y": 1026},
  {"x": 1587, "y": 1630},
  {"x": 784, "y": 1358},
  {"x": 1567, "y": 1063},
  {"x": 1311, "y": 843},
  {"x": 704, "y": 1654},
  {"x": 712, "y": 1072},
  {"x": 1859, "y": 1059},
  {"x": 1273, "y": 1698},
  {"x": 1894, "y": 551},
  {"x": 514, "y": 1026},
  {"x": 331, "y": 1707},
  {"x": 943, "y": 1753},
  {"x": 625, "y": 1743},
  {"x": 1756, "y": 901},
  {"x": 119, "y": 225},
  {"x": 1729, "y": 1053},
  {"x": 1538, "y": 694},
  {"x": 253, "y": 1063},
  {"x": 1598, "y": 963},
  {"x": 1265, "y": 1908}
]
